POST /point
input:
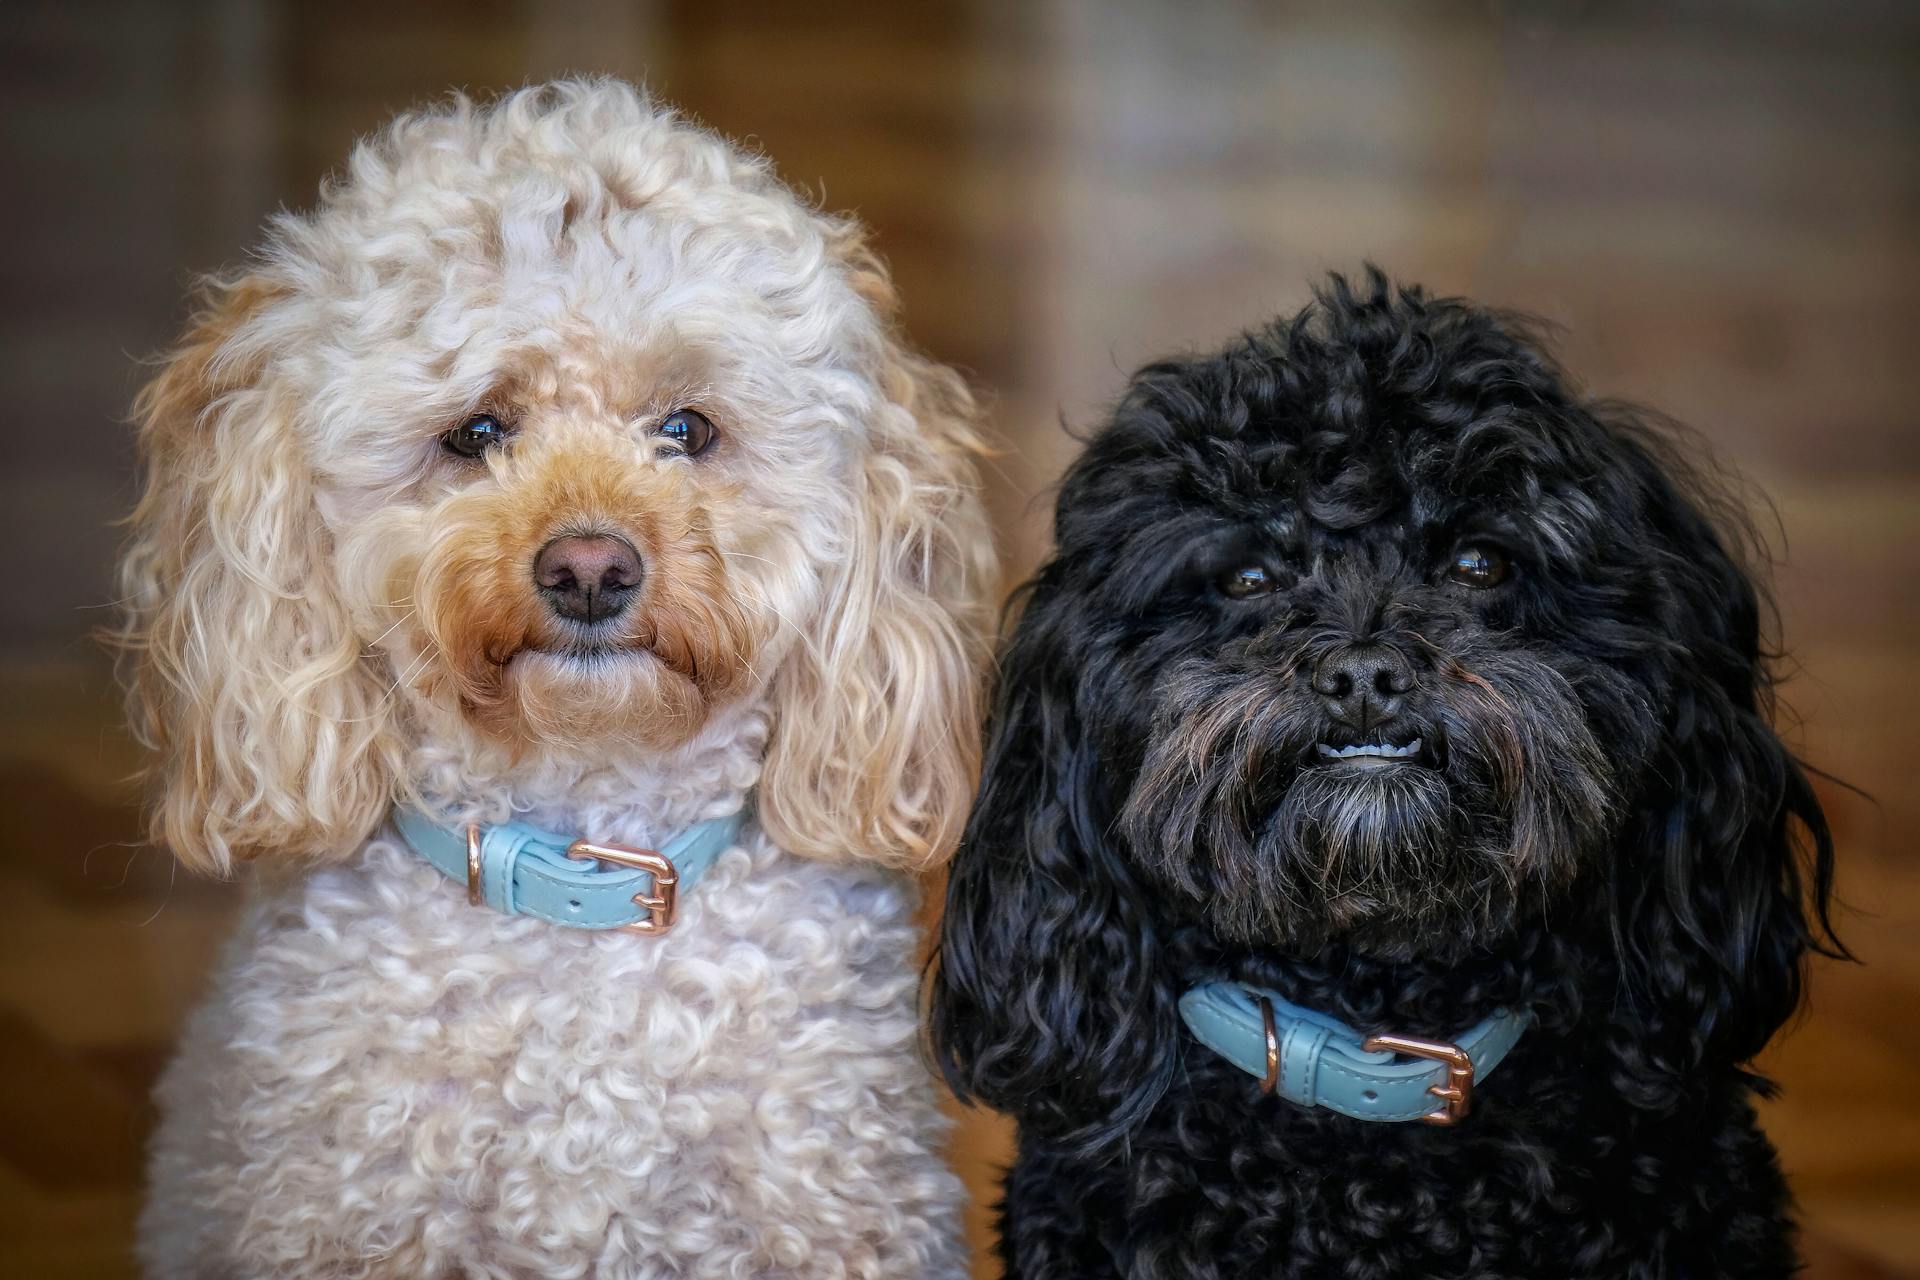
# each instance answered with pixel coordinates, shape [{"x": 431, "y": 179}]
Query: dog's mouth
[
  {"x": 588, "y": 653},
  {"x": 588, "y": 648},
  {"x": 590, "y": 643},
  {"x": 1376, "y": 753}
]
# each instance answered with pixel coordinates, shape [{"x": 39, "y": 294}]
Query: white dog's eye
[
  {"x": 475, "y": 436},
  {"x": 1479, "y": 565},
  {"x": 686, "y": 432}
]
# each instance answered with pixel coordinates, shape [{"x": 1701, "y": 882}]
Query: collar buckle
[
  {"x": 1272, "y": 1078},
  {"x": 476, "y": 888},
  {"x": 1456, "y": 1095},
  {"x": 662, "y": 905}
]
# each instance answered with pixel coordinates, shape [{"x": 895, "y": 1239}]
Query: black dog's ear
[
  {"x": 1049, "y": 1002},
  {"x": 1724, "y": 883}
]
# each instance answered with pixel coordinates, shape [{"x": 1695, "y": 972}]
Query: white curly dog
[{"x": 561, "y": 471}]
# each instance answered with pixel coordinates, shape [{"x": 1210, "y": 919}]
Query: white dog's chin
[{"x": 586, "y": 698}]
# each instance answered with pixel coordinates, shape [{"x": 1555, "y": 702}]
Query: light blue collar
[
  {"x": 521, "y": 870},
  {"x": 1317, "y": 1061}
]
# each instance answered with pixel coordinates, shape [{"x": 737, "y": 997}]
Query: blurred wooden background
[{"x": 1719, "y": 201}]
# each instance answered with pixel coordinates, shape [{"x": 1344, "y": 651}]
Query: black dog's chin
[
  {"x": 1273, "y": 845},
  {"x": 1370, "y": 851},
  {"x": 1379, "y": 858}
]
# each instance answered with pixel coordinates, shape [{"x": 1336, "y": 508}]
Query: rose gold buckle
[
  {"x": 475, "y": 895},
  {"x": 661, "y": 904},
  {"x": 1273, "y": 1047},
  {"x": 1456, "y": 1095}
]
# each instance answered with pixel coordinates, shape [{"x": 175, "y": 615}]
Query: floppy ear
[
  {"x": 1725, "y": 885},
  {"x": 1050, "y": 1000},
  {"x": 875, "y": 744},
  {"x": 243, "y": 672}
]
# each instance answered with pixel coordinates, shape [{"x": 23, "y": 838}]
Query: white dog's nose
[{"x": 588, "y": 578}]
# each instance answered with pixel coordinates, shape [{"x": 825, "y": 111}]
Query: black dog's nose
[
  {"x": 588, "y": 578},
  {"x": 1362, "y": 684}
]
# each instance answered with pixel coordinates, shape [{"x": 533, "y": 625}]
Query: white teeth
[{"x": 1377, "y": 750}]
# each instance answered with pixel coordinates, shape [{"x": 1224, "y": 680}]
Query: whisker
[{"x": 405, "y": 618}]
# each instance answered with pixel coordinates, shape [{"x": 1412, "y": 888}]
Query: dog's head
[
  {"x": 1369, "y": 633},
  {"x": 556, "y": 431}
]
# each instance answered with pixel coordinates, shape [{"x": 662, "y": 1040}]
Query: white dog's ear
[
  {"x": 876, "y": 744},
  {"x": 243, "y": 671}
]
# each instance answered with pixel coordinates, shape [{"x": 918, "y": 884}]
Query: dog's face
[
  {"x": 1368, "y": 645},
  {"x": 1372, "y": 630},
  {"x": 608, "y": 499},
  {"x": 557, "y": 428}
]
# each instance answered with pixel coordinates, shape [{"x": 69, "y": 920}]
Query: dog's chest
[
  {"x": 382, "y": 980},
  {"x": 374, "y": 1041},
  {"x": 1550, "y": 1176}
]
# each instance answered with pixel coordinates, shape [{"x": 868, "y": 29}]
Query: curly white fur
[{"x": 329, "y": 613}]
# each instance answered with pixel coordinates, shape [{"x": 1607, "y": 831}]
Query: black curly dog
[{"x": 1376, "y": 668}]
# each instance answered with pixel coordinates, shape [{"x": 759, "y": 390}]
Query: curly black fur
[{"x": 1599, "y": 827}]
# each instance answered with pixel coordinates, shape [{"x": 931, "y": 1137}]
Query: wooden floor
[{"x": 1716, "y": 201}]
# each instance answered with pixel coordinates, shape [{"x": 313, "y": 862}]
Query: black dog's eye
[
  {"x": 475, "y": 436},
  {"x": 1246, "y": 582},
  {"x": 1479, "y": 565},
  {"x": 686, "y": 432}
]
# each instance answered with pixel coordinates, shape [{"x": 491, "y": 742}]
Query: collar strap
[
  {"x": 1317, "y": 1061},
  {"x": 519, "y": 869}
]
